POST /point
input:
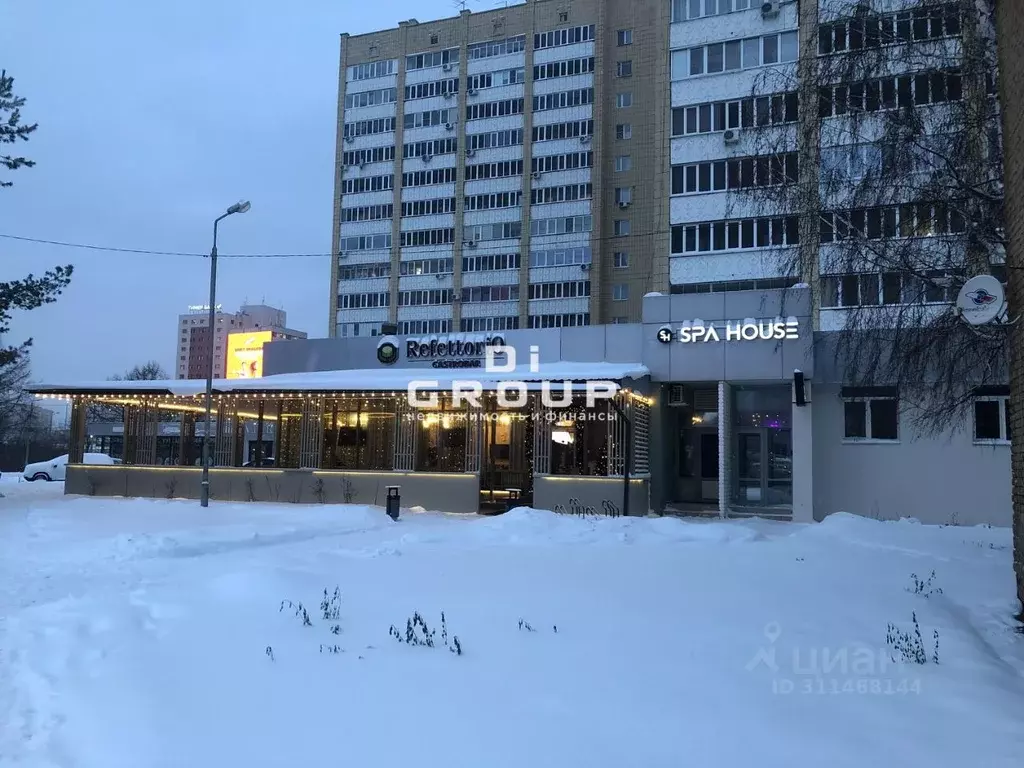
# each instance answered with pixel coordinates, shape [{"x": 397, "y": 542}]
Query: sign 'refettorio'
[{"x": 746, "y": 330}]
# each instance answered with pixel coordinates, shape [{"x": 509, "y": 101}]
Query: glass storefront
[{"x": 763, "y": 443}]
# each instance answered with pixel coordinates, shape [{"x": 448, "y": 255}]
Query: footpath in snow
[{"x": 153, "y": 634}]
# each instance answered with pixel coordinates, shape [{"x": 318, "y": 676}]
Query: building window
[
  {"x": 441, "y": 439},
  {"x": 560, "y": 257},
  {"x": 564, "y": 68},
  {"x": 624, "y": 69},
  {"x": 447, "y": 59},
  {"x": 620, "y": 227},
  {"x": 563, "y": 16},
  {"x": 734, "y": 55},
  {"x": 576, "y": 289},
  {"x": 623, "y": 195},
  {"x": 497, "y": 47},
  {"x": 575, "y": 98},
  {"x": 686, "y": 10},
  {"x": 735, "y": 173},
  {"x": 912, "y": 89},
  {"x": 742, "y": 234},
  {"x": 623, "y": 163},
  {"x": 927, "y": 22},
  {"x": 715, "y": 116},
  {"x": 620, "y": 260},
  {"x": 870, "y": 413},
  {"x": 567, "y": 36},
  {"x": 624, "y": 37},
  {"x": 624, "y": 99},
  {"x": 620, "y": 292},
  {"x": 992, "y": 416},
  {"x": 623, "y": 131},
  {"x": 433, "y": 39},
  {"x": 372, "y": 69}
]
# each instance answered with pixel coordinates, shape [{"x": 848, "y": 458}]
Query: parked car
[
  {"x": 55, "y": 469},
  {"x": 268, "y": 461}
]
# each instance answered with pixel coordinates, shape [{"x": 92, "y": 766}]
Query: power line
[
  {"x": 566, "y": 239},
  {"x": 146, "y": 252}
]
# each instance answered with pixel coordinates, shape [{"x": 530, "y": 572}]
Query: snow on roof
[{"x": 365, "y": 379}]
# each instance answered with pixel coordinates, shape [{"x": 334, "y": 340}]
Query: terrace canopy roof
[{"x": 355, "y": 380}]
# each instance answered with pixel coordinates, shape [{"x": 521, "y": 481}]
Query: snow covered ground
[{"x": 149, "y": 634}]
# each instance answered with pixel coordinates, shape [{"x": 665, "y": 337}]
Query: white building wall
[
  {"x": 725, "y": 266},
  {"x": 490, "y": 309},
  {"x": 428, "y": 192},
  {"x": 938, "y": 480},
  {"x": 557, "y": 53},
  {"x": 495, "y": 64}
]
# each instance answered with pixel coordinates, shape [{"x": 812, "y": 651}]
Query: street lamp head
[{"x": 240, "y": 207}]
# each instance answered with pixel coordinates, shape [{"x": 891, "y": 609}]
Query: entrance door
[
  {"x": 698, "y": 466},
  {"x": 504, "y": 462},
  {"x": 764, "y": 468}
]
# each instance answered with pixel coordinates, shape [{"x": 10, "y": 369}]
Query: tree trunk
[{"x": 1009, "y": 32}]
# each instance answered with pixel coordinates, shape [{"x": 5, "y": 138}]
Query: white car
[{"x": 55, "y": 469}]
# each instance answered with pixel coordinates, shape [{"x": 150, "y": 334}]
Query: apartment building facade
[
  {"x": 502, "y": 170},
  {"x": 741, "y": 149},
  {"x": 193, "y": 336},
  {"x": 549, "y": 163}
]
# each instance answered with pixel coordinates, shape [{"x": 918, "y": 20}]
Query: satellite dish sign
[{"x": 981, "y": 300}]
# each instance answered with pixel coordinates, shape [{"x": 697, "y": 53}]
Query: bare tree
[
  {"x": 15, "y": 404},
  {"x": 878, "y": 153},
  {"x": 148, "y": 371}
]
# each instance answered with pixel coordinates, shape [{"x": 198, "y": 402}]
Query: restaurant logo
[
  {"x": 452, "y": 351},
  {"x": 748, "y": 330},
  {"x": 387, "y": 352}
]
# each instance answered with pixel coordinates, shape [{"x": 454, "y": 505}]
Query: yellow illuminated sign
[{"x": 245, "y": 354}]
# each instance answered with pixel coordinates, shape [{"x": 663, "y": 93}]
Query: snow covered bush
[
  {"x": 418, "y": 633},
  {"x": 910, "y": 646}
]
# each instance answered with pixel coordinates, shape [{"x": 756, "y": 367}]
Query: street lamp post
[{"x": 241, "y": 207}]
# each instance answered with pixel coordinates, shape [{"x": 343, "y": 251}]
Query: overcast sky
[{"x": 153, "y": 118}]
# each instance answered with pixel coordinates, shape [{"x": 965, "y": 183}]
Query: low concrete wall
[
  {"x": 434, "y": 491},
  {"x": 589, "y": 495}
]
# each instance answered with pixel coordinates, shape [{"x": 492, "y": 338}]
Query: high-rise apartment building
[
  {"x": 193, "y": 341},
  {"x": 549, "y": 163},
  {"x": 503, "y": 169}
]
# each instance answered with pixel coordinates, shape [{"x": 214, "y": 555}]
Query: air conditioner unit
[
  {"x": 731, "y": 136},
  {"x": 349, "y": 139},
  {"x": 536, "y": 174},
  {"x": 448, "y": 95},
  {"x": 447, "y": 67},
  {"x": 623, "y": 204},
  {"x": 585, "y": 267},
  {"x": 471, "y": 91},
  {"x": 770, "y": 9},
  {"x": 470, "y": 152},
  {"x": 449, "y": 126},
  {"x": 677, "y": 396},
  {"x": 427, "y": 158},
  {"x": 585, "y": 139},
  {"x": 439, "y": 277},
  {"x": 469, "y": 243}
]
